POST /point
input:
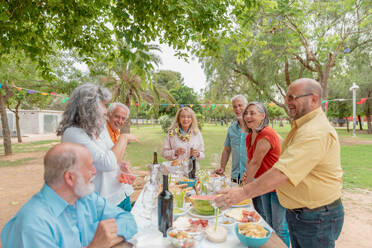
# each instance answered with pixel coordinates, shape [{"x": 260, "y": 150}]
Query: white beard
[{"x": 81, "y": 188}]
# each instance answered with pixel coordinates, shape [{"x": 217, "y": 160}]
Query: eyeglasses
[{"x": 294, "y": 97}]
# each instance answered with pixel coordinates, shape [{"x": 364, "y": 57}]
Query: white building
[{"x": 34, "y": 121}]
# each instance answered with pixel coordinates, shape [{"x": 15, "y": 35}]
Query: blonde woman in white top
[{"x": 183, "y": 135}]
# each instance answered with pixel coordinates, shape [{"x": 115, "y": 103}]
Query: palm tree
[{"x": 129, "y": 79}]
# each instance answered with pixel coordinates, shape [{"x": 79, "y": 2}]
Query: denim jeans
[
  {"x": 315, "y": 229},
  {"x": 257, "y": 203},
  {"x": 276, "y": 216}
]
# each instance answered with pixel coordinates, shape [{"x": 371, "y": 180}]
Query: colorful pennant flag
[{"x": 362, "y": 100}]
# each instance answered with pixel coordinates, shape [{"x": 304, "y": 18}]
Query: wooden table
[{"x": 274, "y": 242}]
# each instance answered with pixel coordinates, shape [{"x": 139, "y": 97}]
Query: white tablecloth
[{"x": 149, "y": 236}]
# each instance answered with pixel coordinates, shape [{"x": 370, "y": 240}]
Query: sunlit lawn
[{"x": 356, "y": 159}]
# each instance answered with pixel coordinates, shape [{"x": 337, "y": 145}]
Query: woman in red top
[{"x": 263, "y": 151}]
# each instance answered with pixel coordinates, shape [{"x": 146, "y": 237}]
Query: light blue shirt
[
  {"x": 47, "y": 220},
  {"x": 235, "y": 139}
]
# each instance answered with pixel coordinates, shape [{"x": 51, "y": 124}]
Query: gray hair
[
  {"x": 114, "y": 105},
  {"x": 241, "y": 97},
  {"x": 57, "y": 163},
  {"x": 262, "y": 109},
  {"x": 84, "y": 109}
]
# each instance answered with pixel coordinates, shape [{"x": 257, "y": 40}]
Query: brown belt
[{"x": 325, "y": 208}]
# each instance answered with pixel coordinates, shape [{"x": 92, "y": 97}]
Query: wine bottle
[
  {"x": 192, "y": 165},
  {"x": 155, "y": 161},
  {"x": 165, "y": 208}
]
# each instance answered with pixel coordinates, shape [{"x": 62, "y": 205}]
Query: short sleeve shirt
[
  {"x": 310, "y": 158},
  {"x": 235, "y": 139}
]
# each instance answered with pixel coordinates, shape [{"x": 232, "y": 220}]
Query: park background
[{"x": 248, "y": 47}]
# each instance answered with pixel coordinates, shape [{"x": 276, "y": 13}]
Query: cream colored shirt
[
  {"x": 172, "y": 143},
  {"x": 310, "y": 158}
]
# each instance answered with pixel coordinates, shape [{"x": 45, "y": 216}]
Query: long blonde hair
[{"x": 194, "y": 123}]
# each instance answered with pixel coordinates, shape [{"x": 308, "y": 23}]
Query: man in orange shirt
[{"x": 118, "y": 113}]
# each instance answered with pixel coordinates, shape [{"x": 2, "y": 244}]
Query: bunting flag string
[
  {"x": 31, "y": 91},
  {"x": 191, "y": 105}
]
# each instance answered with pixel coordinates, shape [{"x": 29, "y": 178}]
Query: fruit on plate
[
  {"x": 217, "y": 235},
  {"x": 201, "y": 204},
  {"x": 126, "y": 178},
  {"x": 243, "y": 215}
]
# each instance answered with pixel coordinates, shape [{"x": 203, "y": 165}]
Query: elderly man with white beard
[{"x": 66, "y": 212}]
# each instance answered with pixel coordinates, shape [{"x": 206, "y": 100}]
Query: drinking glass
[{"x": 149, "y": 195}]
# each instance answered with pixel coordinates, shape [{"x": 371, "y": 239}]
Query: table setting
[{"x": 196, "y": 221}]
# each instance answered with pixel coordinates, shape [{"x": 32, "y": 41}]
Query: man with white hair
[
  {"x": 117, "y": 114},
  {"x": 66, "y": 212},
  {"x": 235, "y": 142}
]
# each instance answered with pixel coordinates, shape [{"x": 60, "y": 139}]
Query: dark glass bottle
[
  {"x": 192, "y": 165},
  {"x": 165, "y": 208},
  {"x": 155, "y": 161}
]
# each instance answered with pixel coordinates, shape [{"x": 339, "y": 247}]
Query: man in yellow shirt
[{"x": 308, "y": 175}]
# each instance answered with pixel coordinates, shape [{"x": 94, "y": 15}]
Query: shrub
[
  {"x": 165, "y": 122},
  {"x": 200, "y": 119}
]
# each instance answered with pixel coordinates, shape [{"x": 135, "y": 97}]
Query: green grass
[
  {"x": 357, "y": 165},
  {"x": 16, "y": 162},
  {"x": 356, "y": 160},
  {"x": 30, "y": 147}
]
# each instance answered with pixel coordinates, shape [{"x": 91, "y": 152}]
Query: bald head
[
  {"x": 59, "y": 159},
  {"x": 308, "y": 85}
]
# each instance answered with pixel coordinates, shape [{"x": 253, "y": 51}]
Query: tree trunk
[
  {"x": 126, "y": 126},
  {"x": 16, "y": 112},
  {"x": 4, "y": 122},
  {"x": 18, "y": 127},
  {"x": 368, "y": 114},
  {"x": 360, "y": 123},
  {"x": 347, "y": 124}
]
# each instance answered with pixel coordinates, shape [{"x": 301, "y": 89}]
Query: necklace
[{"x": 184, "y": 137}]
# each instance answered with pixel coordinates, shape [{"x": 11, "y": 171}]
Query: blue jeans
[
  {"x": 257, "y": 203},
  {"x": 125, "y": 204},
  {"x": 275, "y": 215},
  {"x": 315, "y": 229}
]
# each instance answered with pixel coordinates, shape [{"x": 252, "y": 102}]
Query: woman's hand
[
  {"x": 124, "y": 166},
  {"x": 229, "y": 196},
  {"x": 246, "y": 179},
  {"x": 196, "y": 154},
  {"x": 179, "y": 151}
]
